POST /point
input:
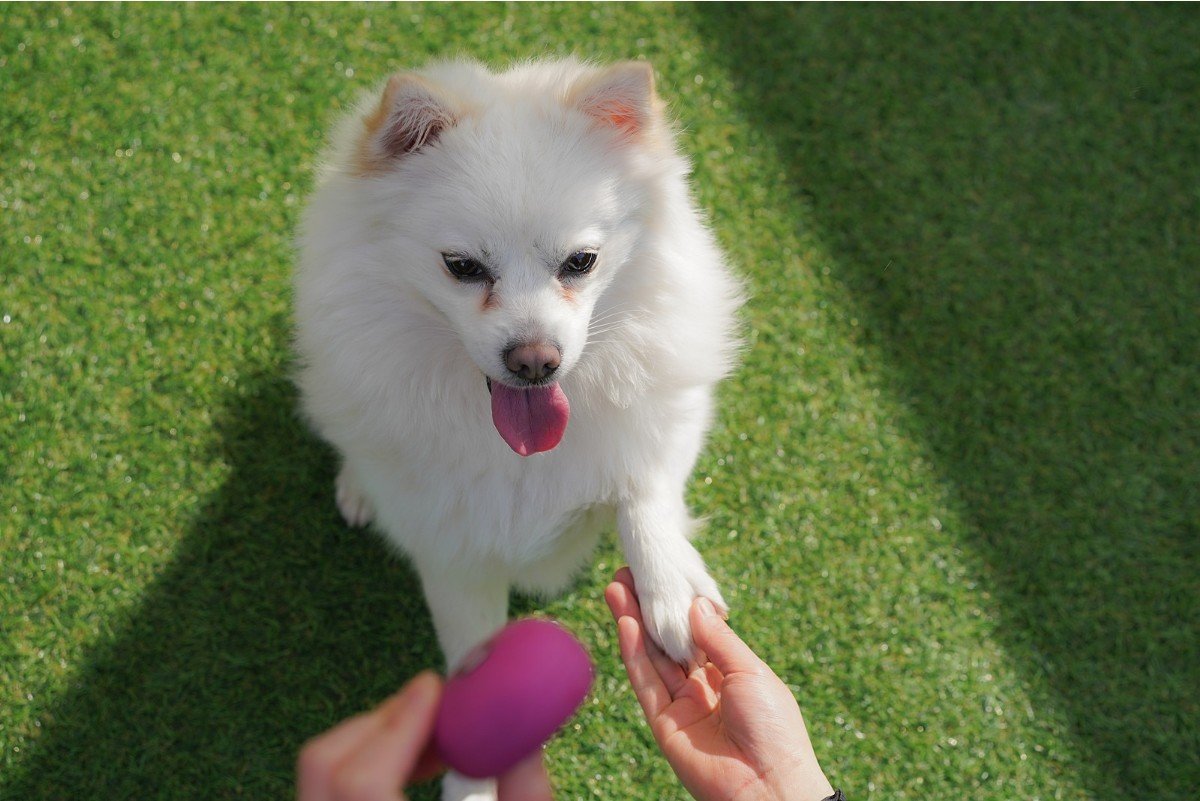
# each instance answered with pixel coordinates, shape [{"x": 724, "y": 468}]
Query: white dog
[{"x": 510, "y": 320}]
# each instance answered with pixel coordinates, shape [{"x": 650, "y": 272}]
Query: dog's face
[
  {"x": 516, "y": 254},
  {"x": 511, "y": 215}
]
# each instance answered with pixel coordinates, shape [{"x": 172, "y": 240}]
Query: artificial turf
[{"x": 952, "y": 491}]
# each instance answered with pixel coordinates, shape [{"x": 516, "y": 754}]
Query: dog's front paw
[
  {"x": 459, "y": 788},
  {"x": 356, "y": 509},
  {"x": 666, "y": 599}
]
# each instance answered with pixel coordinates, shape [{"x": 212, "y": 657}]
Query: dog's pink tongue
[{"x": 530, "y": 420}]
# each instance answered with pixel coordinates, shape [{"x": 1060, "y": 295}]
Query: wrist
[
  {"x": 804, "y": 781},
  {"x": 799, "y": 781}
]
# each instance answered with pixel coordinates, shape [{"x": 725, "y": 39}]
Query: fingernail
[{"x": 706, "y": 607}]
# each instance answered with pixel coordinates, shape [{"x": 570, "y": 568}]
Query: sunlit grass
[{"x": 951, "y": 491}]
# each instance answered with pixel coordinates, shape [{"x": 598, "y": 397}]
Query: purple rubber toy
[{"x": 510, "y": 696}]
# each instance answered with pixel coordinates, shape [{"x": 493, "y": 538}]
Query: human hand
[
  {"x": 373, "y": 756},
  {"x": 730, "y": 729}
]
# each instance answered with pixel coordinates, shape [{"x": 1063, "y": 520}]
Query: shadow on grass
[
  {"x": 273, "y": 622},
  {"x": 1010, "y": 196}
]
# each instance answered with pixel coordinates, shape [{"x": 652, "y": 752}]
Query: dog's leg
[
  {"x": 460, "y": 788},
  {"x": 351, "y": 502},
  {"x": 668, "y": 571},
  {"x": 468, "y": 606}
]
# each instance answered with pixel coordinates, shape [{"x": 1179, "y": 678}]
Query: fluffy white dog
[{"x": 510, "y": 320}]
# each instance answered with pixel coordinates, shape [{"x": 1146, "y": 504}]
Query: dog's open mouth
[{"x": 530, "y": 419}]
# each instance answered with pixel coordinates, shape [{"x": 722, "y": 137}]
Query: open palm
[{"x": 729, "y": 728}]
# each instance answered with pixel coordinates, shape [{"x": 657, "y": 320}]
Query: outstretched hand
[
  {"x": 730, "y": 729},
  {"x": 378, "y": 753}
]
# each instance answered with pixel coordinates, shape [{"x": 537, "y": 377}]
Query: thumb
[
  {"x": 527, "y": 781},
  {"x": 725, "y": 649}
]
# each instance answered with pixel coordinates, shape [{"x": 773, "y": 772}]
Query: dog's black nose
[{"x": 533, "y": 361}]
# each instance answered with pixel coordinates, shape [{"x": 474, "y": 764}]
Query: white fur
[{"x": 394, "y": 350}]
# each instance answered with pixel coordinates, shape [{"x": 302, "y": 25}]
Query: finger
[
  {"x": 725, "y": 649},
  {"x": 383, "y": 763},
  {"x": 623, "y": 603},
  {"x": 617, "y": 596},
  {"x": 322, "y": 756},
  {"x": 710, "y": 680},
  {"x": 319, "y": 758},
  {"x": 651, "y": 691},
  {"x": 528, "y": 781},
  {"x": 625, "y": 576},
  {"x": 713, "y": 677}
]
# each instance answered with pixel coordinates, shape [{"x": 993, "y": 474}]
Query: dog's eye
[
  {"x": 464, "y": 268},
  {"x": 579, "y": 263}
]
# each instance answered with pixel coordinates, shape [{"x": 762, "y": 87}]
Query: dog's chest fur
[{"x": 457, "y": 489}]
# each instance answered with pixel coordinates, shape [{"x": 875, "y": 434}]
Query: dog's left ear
[{"x": 622, "y": 96}]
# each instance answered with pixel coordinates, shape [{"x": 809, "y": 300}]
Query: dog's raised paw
[
  {"x": 666, "y": 609},
  {"x": 354, "y": 506}
]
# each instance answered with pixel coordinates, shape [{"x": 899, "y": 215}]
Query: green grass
[{"x": 953, "y": 489}]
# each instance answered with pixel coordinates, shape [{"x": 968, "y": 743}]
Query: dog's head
[{"x": 512, "y": 202}]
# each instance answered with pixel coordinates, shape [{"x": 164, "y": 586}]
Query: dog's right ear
[{"x": 411, "y": 115}]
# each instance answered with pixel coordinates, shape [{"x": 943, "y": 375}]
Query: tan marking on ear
[
  {"x": 372, "y": 155},
  {"x": 367, "y": 156}
]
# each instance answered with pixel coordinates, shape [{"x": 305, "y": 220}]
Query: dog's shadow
[{"x": 272, "y": 622}]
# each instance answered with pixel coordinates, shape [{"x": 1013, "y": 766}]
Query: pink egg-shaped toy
[{"x": 510, "y": 696}]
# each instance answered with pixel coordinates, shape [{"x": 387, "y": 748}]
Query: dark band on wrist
[{"x": 837, "y": 796}]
